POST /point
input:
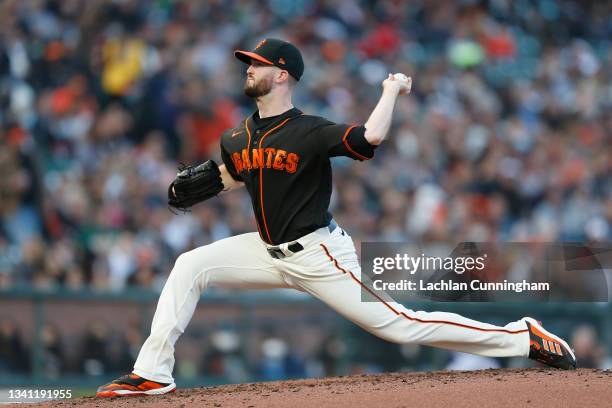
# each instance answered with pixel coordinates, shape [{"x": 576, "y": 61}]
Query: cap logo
[
  {"x": 262, "y": 42},
  {"x": 281, "y": 61}
]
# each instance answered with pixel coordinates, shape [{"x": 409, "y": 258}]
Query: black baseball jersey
[{"x": 284, "y": 163}]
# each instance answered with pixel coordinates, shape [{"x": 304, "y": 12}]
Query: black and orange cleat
[
  {"x": 547, "y": 348},
  {"x": 132, "y": 384}
]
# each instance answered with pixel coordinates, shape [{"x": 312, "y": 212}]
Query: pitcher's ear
[{"x": 283, "y": 75}]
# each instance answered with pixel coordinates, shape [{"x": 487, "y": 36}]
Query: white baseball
[{"x": 400, "y": 77}]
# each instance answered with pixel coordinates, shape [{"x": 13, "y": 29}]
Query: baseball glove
[{"x": 194, "y": 184}]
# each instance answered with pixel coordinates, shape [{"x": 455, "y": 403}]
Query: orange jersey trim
[
  {"x": 261, "y": 200},
  {"x": 246, "y": 126},
  {"x": 362, "y": 157},
  {"x": 344, "y": 271}
]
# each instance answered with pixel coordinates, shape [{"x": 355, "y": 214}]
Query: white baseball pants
[{"x": 327, "y": 268}]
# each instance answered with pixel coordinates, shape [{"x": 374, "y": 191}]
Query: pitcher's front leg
[{"x": 235, "y": 262}]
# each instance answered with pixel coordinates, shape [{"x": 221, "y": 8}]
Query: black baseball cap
[{"x": 275, "y": 52}]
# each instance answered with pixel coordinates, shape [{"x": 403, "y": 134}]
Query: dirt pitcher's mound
[{"x": 500, "y": 388}]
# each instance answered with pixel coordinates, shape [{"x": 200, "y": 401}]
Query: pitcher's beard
[{"x": 259, "y": 89}]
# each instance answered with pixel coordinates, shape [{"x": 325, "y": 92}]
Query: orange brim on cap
[{"x": 246, "y": 56}]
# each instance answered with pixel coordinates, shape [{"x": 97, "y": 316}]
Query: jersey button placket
[{"x": 256, "y": 139}]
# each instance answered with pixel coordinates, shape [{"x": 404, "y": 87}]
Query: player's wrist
[{"x": 392, "y": 88}]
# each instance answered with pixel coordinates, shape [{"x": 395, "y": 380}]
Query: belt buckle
[{"x": 276, "y": 253}]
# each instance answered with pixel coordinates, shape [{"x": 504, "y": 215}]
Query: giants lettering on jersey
[{"x": 266, "y": 157}]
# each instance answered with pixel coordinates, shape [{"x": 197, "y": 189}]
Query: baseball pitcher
[{"x": 282, "y": 156}]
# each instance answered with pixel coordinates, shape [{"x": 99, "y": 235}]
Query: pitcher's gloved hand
[{"x": 194, "y": 184}]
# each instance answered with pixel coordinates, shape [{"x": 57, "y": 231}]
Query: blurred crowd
[
  {"x": 272, "y": 353},
  {"x": 505, "y": 137}
]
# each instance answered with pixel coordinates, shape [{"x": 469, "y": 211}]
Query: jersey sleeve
[
  {"x": 343, "y": 140},
  {"x": 229, "y": 164}
]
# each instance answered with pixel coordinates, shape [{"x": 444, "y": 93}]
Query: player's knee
[
  {"x": 185, "y": 263},
  {"x": 195, "y": 261},
  {"x": 187, "y": 273}
]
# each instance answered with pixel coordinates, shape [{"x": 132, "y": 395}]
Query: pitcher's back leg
[{"x": 341, "y": 288}]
